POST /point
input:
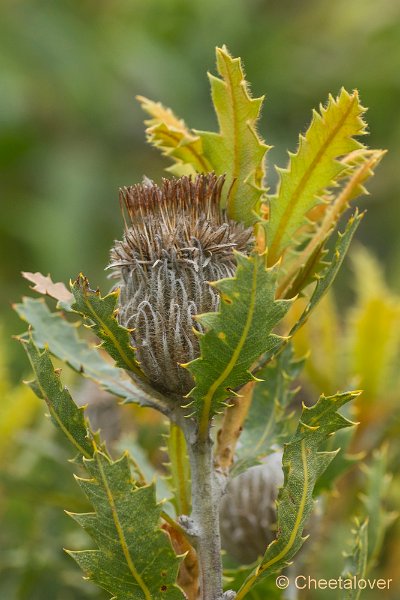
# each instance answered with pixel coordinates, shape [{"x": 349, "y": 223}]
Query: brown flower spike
[{"x": 177, "y": 239}]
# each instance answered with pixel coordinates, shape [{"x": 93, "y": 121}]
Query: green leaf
[
  {"x": 63, "y": 411},
  {"x": 324, "y": 280},
  {"x": 101, "y": 312},
  {"x": 266, "y": 590},
  {"x": 328, "y": 275},
  {"x": 356, "y": 560},
  {"x": 134, "y": 559},
  {"x": 170, "y": 135},
  {"x": 300, "y": 265},
  {"x": 313, "y": 169},
  {"x": 236, "y": 336},
  {"x": 237, "y": 149},
  {"x": 303, "y": 463},
  {"x": 51, "y": 330},
  {"x": 268, "y": 419}
]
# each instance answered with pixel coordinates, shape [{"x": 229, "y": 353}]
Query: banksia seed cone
[
  {"x": 177, "y": 239},
  {"x": 248, "y": 510}
]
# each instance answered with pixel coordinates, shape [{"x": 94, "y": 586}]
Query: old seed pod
[{"x": 248, "y": 511}]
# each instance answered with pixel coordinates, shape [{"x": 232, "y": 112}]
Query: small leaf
[
  {"x": 101, "y": 312},
  {"x": 236, "y": 151},
  {"x": 303, "y": 463},
  {"x": 328, "y": 275},
  {"x": 134, "y": 559},
  {"x": 235, "y": 336},
  {"x": 170, "y": 135},
  {"x": 45, "y": 285},
  {"x": 300, "y": 267},
  {"x": 313, "y": 169},
  {"x": 63, "y": 411},
  {"x": 324, "y": 280}
]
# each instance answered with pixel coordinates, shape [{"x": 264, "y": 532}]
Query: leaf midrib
[
  {"x": 231, "y": 364},
  {"x": 120, "y": 532}
]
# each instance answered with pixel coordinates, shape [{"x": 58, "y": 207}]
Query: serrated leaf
[
  {"x": 236, "y": 150},
  {"x": 236, "y": 336},
  {"x": 356, "y": 561},
  {"x": 101, "y": 312},
  {"x": 134, "y": 559},
  {"x": 179, "y": 469},
  {"x": 51, "y": 330},
  {"x": 169, "y": 134},
  {"x": 313, "y": 169},
  {"x": 303, "y": 463},
  {"x": 328, "y": 275},
  {"x": 300, "y": 267},
  {"x": 63, "y": 411},
  {"x": 324, "y": 280},
  {"x": 267, "y": 421}
]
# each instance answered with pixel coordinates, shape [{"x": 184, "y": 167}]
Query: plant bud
[{"x": 177, "y": 239}]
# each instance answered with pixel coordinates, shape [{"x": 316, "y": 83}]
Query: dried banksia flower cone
[{"x": 177, "y": 240}]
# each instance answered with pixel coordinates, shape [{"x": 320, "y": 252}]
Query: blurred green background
[{"x": 71, "y": 133}]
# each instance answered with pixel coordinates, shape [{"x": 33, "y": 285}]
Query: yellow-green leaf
[
  {"x": 313, "y": 169},
  {"x": 169, "y": 134},
  {"x": 237, "y": 149},
  {"x": 303, "y": 463}
]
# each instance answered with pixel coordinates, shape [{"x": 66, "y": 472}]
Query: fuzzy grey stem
[{"x": 206, "y": 495}]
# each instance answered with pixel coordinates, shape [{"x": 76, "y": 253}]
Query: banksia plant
[{"x": 198, "y": 325}]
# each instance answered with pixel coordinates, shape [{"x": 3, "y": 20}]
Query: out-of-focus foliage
[{"x": 360, "y": 349}]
